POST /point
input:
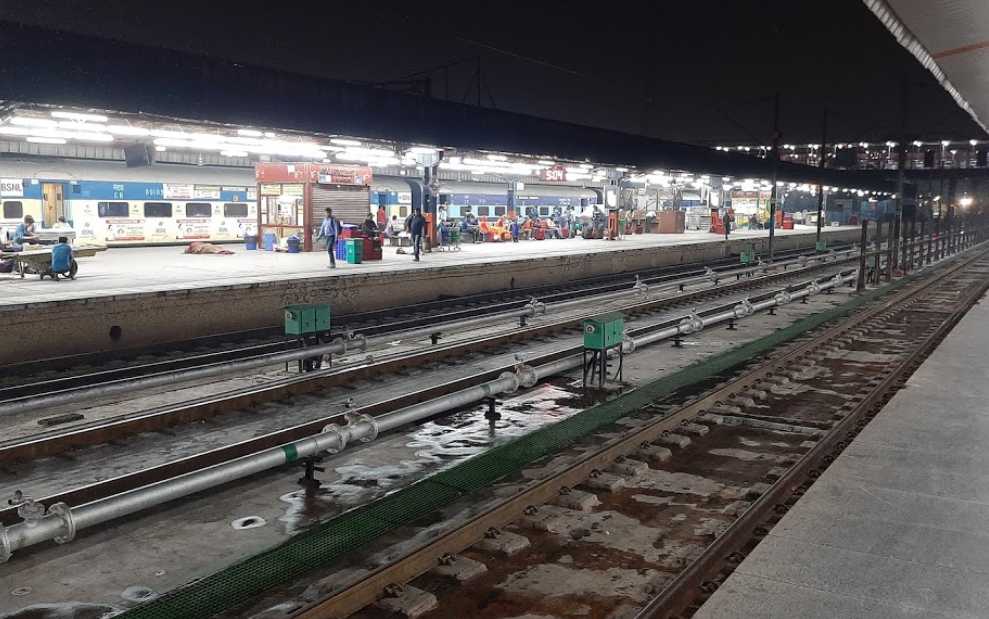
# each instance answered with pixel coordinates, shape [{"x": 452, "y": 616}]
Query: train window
[
  {"x": 13, "y": 209},
  {"x": 465, "y": 209},
  {"x": 157, "y": 209},
  {"x": 197, "y": 209},
  {"x": 112, "y": 209},
  {"x": 499, "y": 210},
  {"x": 543, "y": 211},
  {"x": 235, "y": 209},
  {"x": 483, "y": 211},
  {"x": 531, "y": 211}
]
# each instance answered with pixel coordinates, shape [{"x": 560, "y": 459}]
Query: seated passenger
[
  {"x": 61, "y": 256},
  {"x": 24, "y": 234},
  {"x": 369, "y": 227},
  {"x": 61, "y": 224}
]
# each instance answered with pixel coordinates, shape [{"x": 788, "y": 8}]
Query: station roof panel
[{"x": 951, "y": 39}]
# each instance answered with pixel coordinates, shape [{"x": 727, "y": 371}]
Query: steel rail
[
  {"x": 12, "y": 392},
  {"x": 369, "y": 589},
  {"x": 341, "y": 345},
  {"x": 61, "y": 522}
]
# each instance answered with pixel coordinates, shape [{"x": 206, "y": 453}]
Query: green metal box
[
  {"x": 355, "y": 251},
  {"x": 748, "y": 255},
  {"x": 821, "y": 245},
  {"x": 307, "y": 318},
  {"x": 604, "y": 332}
]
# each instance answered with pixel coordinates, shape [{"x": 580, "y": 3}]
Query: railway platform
[
  {"x": 131, "y": 297},
  {"x": 896, "y": 526}
]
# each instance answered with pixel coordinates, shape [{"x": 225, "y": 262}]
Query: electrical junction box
[
  {"x": 307, "y": 318},
  {"x": 604, "y": 332}
]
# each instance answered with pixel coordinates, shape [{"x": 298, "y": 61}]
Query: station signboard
[{"x": 11, "y": 187}]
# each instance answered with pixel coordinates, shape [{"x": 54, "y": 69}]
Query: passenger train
[{"x": 108, "y": 203}]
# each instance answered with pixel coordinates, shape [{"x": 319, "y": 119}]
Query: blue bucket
[
  {"x": 294, "y": 244},
  {"x": 251, "y": 241},
  {"x": 270, "y": 241}
]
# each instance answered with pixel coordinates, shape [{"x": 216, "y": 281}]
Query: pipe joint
[
  {"x": 534, "y": 307},
  {"x": 640, "y": 287},
  {"x": 711, "y": 275},
  {"x": 691, "y": 324},
  {"x": 513, "y": 381},
  {"x": 356, "y": 419},
  {"x": 628, "y": 345},
  {"x": 782, "y": 298},
  {"x": 333, "y": 432},
  {"x": 6, "y": 550},
  {"x": 526, "y": 375},
  {"x": 813, "y": 288},
  {"x": 743, "y": 309},
  {"x": 64, "y": 513}
]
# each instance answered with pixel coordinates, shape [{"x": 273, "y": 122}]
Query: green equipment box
[
  {"x": 748, "y": 255},
  {"x": 821, "y": 245},
  {"x": 308, "y": 318},
  {"x": 355, "y": 251},
  {"x": 604, "y": 332}
]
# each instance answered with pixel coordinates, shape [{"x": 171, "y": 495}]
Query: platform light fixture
[
  {"x": 30, "y": 121},
  {"x": 973, "y": 142},
  {"x": 918, "y": 143},
  {"x": 128, "y": 130},
  {"x": 345, "y": 142},
  {"x": 79, "y": 116},
  {"x": 251, "y": 133},
  {"x": 945, "y": 143},
  {"x": 44, "y": 140},
  {"x": 161, "y": 149},
  {"x": 234, "y": 153}
]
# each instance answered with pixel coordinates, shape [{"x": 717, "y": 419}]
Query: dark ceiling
[{"x": 701, "y": 72}]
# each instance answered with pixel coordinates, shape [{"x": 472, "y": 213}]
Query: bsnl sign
[{"x": 11, "y": 187}]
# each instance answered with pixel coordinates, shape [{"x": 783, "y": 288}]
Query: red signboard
[
  {"x": 313, "y": 173},
  {"x": 555, "y": 173}
]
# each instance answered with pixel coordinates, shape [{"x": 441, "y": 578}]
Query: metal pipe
[
  {"x": 340, "y": 345},
  {"x": 61, "y": 522}
]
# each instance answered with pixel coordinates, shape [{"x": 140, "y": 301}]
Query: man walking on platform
[
  {"x": 329, "y": 230},
  {"x": 417, "y": 226}
]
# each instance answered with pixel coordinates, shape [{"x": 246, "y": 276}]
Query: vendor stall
[{"x": 293, "y": 198}]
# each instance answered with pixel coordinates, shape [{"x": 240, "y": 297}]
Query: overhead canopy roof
[
  {"x": 951, "y": 39},
  {"x": 106, "y": 75}
]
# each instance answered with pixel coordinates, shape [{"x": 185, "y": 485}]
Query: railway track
[
  {"x": 646, "y": 519},
  {"x": 81, "y": 371},
  {"x": 62, "y": 443},
  {"x": 597, "y": 478}
]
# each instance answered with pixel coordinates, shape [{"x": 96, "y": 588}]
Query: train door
[{"x": 52, "y": 204}]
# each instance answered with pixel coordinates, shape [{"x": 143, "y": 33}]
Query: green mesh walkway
[{"x": 326, "y": 543}]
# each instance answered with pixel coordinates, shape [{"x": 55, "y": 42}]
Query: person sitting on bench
[{"x": 24, "y": 234}]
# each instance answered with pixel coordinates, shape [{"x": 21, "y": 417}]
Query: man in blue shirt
[
  {"x": 329, "y": 230},
  {"x": 25, "y": 232}
]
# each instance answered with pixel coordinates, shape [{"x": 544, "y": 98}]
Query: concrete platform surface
[
  {"x": 130, "y": 270},
  {"x": 898, "y": 526}
]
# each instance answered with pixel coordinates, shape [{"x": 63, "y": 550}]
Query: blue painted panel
[
  {"x": 104, "y": 190},
  {"x": 233, "y": 196}
]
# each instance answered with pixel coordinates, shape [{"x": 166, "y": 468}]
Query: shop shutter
[{"x": 350, "y": 204}]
